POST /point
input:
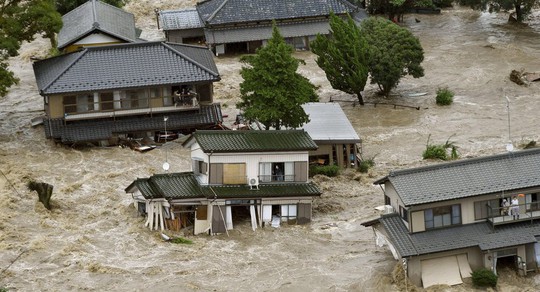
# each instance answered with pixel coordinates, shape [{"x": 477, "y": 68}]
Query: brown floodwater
[{"x": 93, "y": 238}]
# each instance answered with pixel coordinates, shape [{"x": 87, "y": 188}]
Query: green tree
[
  {"x": 394, "y": 52},
  {"x": 272, "y": 91},
  {"x": 343, "y": 56},
  {"x": 522, "y": 7},
  {"x": 21, "y": 20},
  {"x": 65, "y": 6}
]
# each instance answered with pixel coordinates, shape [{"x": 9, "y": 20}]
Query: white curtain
[{"x": 289, "y": 171}]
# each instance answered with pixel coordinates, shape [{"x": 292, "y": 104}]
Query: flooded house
[
  {"x": 444, "y": 221},
  {"x": 96, "y": 23},
  {"x": 242, "y": 26},
  {"x": 101, "y": 94},
  {"x": 337, "y": 140},
  {"x": 259, "y": 177}
]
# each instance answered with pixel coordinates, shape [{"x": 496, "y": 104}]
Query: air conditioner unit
[
  {"x": 388, "y": 209},
  {"x": 253, "y": 183}
]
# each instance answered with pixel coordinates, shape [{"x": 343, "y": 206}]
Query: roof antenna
[{"x": 509, "y": 146}]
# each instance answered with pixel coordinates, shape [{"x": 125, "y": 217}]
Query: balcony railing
[
  {"x": 276, "y": 178},
  {"x": 117, "y": 108},
  {"x": 521, "y": 212}
]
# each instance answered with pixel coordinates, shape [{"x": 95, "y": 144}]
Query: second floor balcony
[{"x": 511, "y": 214}]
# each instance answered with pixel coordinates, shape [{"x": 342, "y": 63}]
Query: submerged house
[
  {"x": 96, "y": 23},
  {"x": 337, "y": 141},
  {"x": 445, "y": 220},
  {"x": 106, "y": 93},
  {"x": 231, "y": 26},
  {"x": 260, "y": 176}
]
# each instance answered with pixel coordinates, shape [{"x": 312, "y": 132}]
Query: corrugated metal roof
[
  {"x": 264, "y": 32},
  {"x": 467, "y": 177},
  {"x": 252, "y": 141},
  {"x": 103, "y": 129},
  {"x": 234, "y": 11},
  {"x": 464, "y": 236},
  {"x": 95, "y": 15},
  {"x": 180, "y": 19},
  {"x": 328, "y": 123},
  {"x": 125, "y": 66}
]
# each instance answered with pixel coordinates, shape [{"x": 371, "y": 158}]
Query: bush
[
  {"x": 440, "y": 151},
  {"x": 328, "y": 170},
  {"x": 366, "y": 164},
  {"x": 435, "y": 152},
  {"x": 444, "y": 96},
  {"x": 180, "y": 240},
  {"x": 484, "y": 278}
]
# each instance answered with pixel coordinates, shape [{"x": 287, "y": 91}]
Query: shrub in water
[
  {"x": 328, "y": 170},
  {"x": 484, "y": 278},
  {"x": 365, "y": 165},
  {"x": 435, "y": 152},
  {"x": 444, "y": 96}
]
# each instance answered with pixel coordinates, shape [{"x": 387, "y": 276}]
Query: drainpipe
[{"x": 156, "y": 11}]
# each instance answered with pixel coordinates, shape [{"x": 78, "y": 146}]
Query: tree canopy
[
  {"x": 394, "y": 52},
  {"x": 343, "y": 56},
  {"x": 522, "y": 7},
  {"x": 65, "y": 6},
  {"x": 21, "y": 20},
  {"x": 272, "y": 91}
]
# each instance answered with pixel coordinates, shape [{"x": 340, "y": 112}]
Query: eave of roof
[{"x": 464, "y": 236}]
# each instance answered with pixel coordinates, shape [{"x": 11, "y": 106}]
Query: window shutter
[{"x": 300, "y": 171}]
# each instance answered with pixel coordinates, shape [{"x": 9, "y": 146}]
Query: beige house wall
[
  {"x": 417, "y": 221},
  {"x": 414, "y": 266}
]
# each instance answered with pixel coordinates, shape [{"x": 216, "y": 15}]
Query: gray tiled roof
[
  {"x": 464, "y": 236},
  {"x": 182, "y": 185},
  {"x": 328, "y": 123},
  {"x": 234, "y": 11},
  {"x": 467, "y": 177},
  {"x": 264, "y": 191},
  {"x": 263, "y": 32},
  {"x": 252, "y": 141},
  {"x": 125, "y": 66},
  {"x": 103, "y": 129},
  {"x": 180, "y": 19},
  {"x": 95, "y": 15}
]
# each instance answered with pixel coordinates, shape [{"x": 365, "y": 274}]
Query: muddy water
[{"x": 94, "y": 240}]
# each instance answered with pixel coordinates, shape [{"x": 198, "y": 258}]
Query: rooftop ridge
[{"x": 167, "y": 45}]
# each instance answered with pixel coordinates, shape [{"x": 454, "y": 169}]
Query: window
[
  {"x": 288, "y": 213},
  {"x": 85, "y": 103},
  {"x": 199, "y": 166},
  {"x": 234, "y": 173},
  {"x": 483, "y": 209},
  {"x": 442, "y": 216},
  {"x": 106, "y": 99},
  {"x": 387, "y": 200},
  {"x": 404, "y": 213},
  {"x": 276, "y": 171},
  {"x": 70, "y": 104}
]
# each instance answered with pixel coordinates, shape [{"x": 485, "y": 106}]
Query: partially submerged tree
[
  {"x": 44, "y": 191},
  {"x": 343, "y": 56},
  {"x": 272, "y": 91},
  {"x": 21, "y": 20},
  {"x": 522, "y": 7},
  {"x": 394, "y": 52}
]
